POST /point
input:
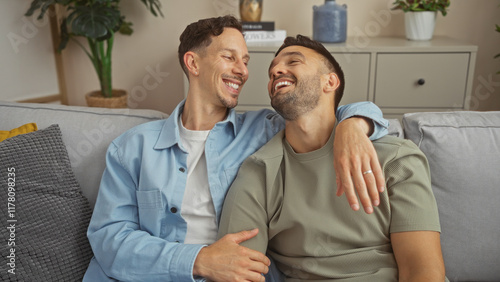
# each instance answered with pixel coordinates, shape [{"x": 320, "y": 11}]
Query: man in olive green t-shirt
[{"x": 285, "y": 189}]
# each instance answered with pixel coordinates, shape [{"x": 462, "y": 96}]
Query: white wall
[
  {"x": 27, "y": 61},
  {"x": 146, "y": 63}
]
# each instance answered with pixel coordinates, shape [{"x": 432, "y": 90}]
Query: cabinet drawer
[
  {"x": 356, "y": 67},
  {"x": 443, "y": 78}
]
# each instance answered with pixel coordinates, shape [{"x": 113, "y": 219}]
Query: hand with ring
[{"x": 356, "y": 165}]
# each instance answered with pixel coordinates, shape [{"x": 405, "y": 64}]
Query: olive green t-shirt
[{"x": 310, "y": 232}]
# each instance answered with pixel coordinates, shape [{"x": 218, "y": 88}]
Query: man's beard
[
  {"x": 228, "y": 103},
  {"x": 303, "y": 99}
]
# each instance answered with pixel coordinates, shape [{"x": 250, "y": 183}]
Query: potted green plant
[
  {"x": 97, "y": 21},
  {"x": 420, "y": 16}
]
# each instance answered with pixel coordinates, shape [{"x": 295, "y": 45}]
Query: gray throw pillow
[
  {"x": 44, "y": 210},
  {"x": 463, "y": 149}
]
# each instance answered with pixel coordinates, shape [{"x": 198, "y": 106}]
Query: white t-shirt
[{"x": 197, "y": 205}]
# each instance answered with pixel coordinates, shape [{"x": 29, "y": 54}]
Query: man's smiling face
[
  {"x": 294, "y": 81},
  {"x": 223, "y": 67}
]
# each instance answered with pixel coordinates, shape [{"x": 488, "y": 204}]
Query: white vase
[{"x": 420, "y": 25}]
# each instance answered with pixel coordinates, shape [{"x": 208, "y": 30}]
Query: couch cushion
[
  {"x": 25, "y": 128},
  {"x": 44, "y": 209},
  {"x": 87, "y": 133},
  {"x": 395, "y": 128},
  {"x": 463, "y": 149}
]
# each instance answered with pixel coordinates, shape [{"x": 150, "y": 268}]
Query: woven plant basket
[{"x": 119, "y": 99}]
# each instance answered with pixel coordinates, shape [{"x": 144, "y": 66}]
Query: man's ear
[
  {"x": 191, "y": 62},
  {"x": 332, "y": 82}
]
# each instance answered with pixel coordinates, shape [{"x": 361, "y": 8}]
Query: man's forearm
[
  {"x": 425, "y": 275},
  {"x": 142, "y": 257},
  {"x": 365, "y": 124},
  {"x": 367, "y": 110}
]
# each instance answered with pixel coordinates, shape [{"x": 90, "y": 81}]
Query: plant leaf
[
  {"x": 154, "y": 6},
  {"x": 126, "y": 28},
  {"x": 95, "y": 21},
  {"x": 421, "y": 5},
  {"x": 43, "y": 5}
]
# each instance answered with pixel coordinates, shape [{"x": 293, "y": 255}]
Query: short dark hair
[
  {"x": 199, "y": 34},
  {"x": 330, "y": 61}
]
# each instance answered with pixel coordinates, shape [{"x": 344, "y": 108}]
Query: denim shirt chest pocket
[{"x": 151, "y": 211}]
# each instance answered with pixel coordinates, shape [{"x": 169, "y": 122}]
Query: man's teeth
[
  {"x": 233, "y": 85},
  {"x": 282, "y": 83}
]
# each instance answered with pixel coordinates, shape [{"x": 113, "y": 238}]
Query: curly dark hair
[
  {"x": 329, "y": 61},
  {"x": 198, "y": 35}
]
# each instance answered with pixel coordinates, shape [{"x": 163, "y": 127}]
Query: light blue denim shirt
[{"x": 137, "y": 231}]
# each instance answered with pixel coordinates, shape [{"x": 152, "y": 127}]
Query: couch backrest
[
  {"x": 87, "y": 133},
  {"x": 463, "y": 149},
  {"x": 395, "y": 128}
]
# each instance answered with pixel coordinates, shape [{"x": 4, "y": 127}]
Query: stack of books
[{"x": 262, "y": 32}]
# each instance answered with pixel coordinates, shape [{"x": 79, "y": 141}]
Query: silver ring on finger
[{"x": 367, "y": 172}]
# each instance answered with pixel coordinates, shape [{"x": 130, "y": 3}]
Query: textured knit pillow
[
  {"x": 44, "y": 210},
  {"x": 25, "y": 128}
]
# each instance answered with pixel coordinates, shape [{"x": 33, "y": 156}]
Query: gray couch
[{"x": 463, "y": 149}]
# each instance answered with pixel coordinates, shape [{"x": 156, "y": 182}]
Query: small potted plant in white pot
[
  {"x": 420, "y": 16},
  {"x": 97, "y": 21}
]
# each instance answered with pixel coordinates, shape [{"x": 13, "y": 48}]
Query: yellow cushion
[{"x": 26, "y": 128}]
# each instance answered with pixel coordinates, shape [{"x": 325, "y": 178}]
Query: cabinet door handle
[{"x": 421, "y": 81}]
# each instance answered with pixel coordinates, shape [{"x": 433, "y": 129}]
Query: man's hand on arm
[
  {"x": 356, "y": 164},
  {"x": 226, "y": 260}
]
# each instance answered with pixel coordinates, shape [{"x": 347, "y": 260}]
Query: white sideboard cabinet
[{"x": 398, "y": 75}]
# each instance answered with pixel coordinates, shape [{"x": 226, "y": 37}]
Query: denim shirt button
[
  {"x": 182, "y": 169},
  {"x": 173, "y": 210}
]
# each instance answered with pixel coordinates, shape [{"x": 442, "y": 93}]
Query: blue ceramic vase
[{"x": 330, "y": 22}]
